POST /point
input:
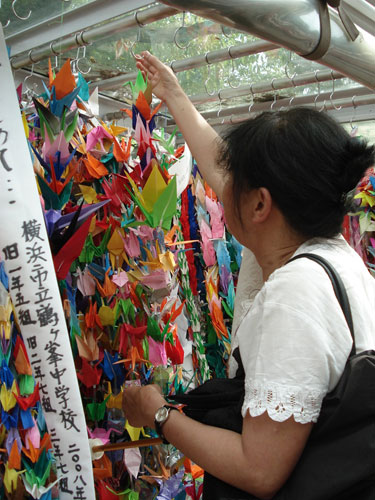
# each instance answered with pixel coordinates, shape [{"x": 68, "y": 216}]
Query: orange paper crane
[
  {"x": 21, "y": 363},
  {"x": 92, "y": 318},
  {"x": 34, "y": 453},
  {"x": 119, "y": 151},
  {"x": 87, "y": 346},
  {"x": 64, "y": 82},
  {"x": 108, "y": 288},
  {"x": 132, "y": 359},
  {"x": 163, "y": 472},
  {"x": 14, "y": 460},
  {"x": 94, "y": 167}
]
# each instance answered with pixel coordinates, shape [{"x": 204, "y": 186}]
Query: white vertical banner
[{"x": 34, "y": 291}]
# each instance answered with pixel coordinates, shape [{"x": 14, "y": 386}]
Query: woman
[{"x": 282, "y": 180}]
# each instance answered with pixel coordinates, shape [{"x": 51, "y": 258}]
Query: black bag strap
[{"x": 338, "y": 288}]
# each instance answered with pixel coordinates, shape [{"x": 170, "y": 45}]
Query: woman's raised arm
[{"x": 200, "y": 136}]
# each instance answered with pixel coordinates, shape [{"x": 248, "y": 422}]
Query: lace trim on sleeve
[{"x": 281, "y": 402}]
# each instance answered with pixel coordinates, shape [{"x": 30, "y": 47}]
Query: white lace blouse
[{"x": 291, "y": 332}]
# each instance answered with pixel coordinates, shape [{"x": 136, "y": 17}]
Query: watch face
[{"x": 161, "y": 414}]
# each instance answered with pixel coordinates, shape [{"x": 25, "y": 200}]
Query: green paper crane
[
  {"x": 52, "y": 199},
  {"x": 40, "y": 473},
  {"x": 52, "y": 125},
  {"x": 167, "y": 144},
  {"x": 140, "y": 85}
]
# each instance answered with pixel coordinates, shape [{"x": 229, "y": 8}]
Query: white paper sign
[{"x": 34, "y": 291}]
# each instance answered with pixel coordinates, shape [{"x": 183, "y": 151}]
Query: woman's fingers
[{"x": 152, "y": 61}]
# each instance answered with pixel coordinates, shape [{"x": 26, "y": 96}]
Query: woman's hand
[
  {"x": 140, "y": 404},
  {"x": 164, "y": 82}
]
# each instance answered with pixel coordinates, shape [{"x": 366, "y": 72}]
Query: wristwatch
[{"x": 161, "y": 416}]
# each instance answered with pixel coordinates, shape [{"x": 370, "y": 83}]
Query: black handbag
[{"x": 338, "y": 462}]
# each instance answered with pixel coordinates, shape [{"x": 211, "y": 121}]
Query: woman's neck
[
  {"x": 275, "y": 258},
  {"x": 275, "y": 247}
]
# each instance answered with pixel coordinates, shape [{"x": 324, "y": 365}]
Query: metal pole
[
  {"x": 326, "y": 104},
  {"x": 314, "y": 77},
  {"x": 275, "y": 84},
  {"x": 303, "y": 26},
  {"x": 85, "y": 37},
  {"x": 214, "y": 56}
]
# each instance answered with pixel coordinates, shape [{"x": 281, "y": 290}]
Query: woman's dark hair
[{"x": 306, "y": 160}]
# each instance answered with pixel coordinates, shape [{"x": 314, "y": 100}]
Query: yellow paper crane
[
  {"x": 11, "y": 478},
  {"x": 116, "y": 248},
  {"x": 7, "y": 398},
  {"x": 154, "y": 187}
]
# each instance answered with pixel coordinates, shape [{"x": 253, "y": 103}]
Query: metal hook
[
  {"x": 131, "y": 50},
  {"x": 273, "y": 102},
  {"x": 78, "y": 61},
  {"x": 208, "y": 76},
  {"x": 220, "y": 106},
  {"x": 274, "y": 94},
  {"x": 331, "y": 95},
  {"x": 17, "y": 15},
  {"x": 140, "y": 24},
  {"x": 232, "y": 72},
  {"x": 252, "y": 98},
  {"x": 132, "y": 45},
  {"x": 354, "y": 128},
  {"x": 5, "y": 25},
  {"x": 223, "y": 31},
  {"x": 319, "y": 91},
  {"x": 291, "y": 78},
  {"x": 178, "y": 45},
  {"x": 286, "y": 68},
  {"x": 29, "y": 90}
]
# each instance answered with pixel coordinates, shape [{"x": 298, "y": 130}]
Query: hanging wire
[
  {"x": 178, "y": 30},
  {"x": 17, "y": 15}
]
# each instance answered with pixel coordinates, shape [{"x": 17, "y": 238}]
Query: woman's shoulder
[{"x": 307, "y": 274}]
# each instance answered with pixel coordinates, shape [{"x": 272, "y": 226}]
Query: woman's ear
[{"x": 262, "y": 205}]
